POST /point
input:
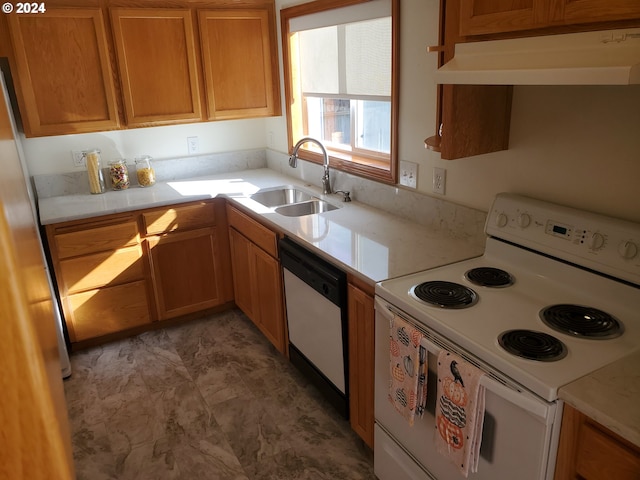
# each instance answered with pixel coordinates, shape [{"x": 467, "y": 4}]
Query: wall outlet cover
[
  {"x": 193, "y": 145},
  {"x": 409, "y": 174},
  {"x": 78, "y": 158},
  {"x": 439, "y": 180}
]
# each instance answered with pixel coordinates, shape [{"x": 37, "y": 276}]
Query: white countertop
[
  {"x": 365, "y": 241},
  {"x": 610, "y": 396}
]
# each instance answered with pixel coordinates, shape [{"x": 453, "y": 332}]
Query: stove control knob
[
  {"x": 501, "y": 220},
  {"x": 596, "y": 242},
  {"x": 628, "y": 250},
  {"x": 524, "y": 220}
]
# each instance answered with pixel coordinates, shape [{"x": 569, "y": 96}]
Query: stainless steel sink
[
  {"x": 305, "y": 208},
  {"x": 281, "y": 196}
]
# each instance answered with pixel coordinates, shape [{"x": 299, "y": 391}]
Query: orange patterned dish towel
[
  {"x": 459, "y": 411},
  {"x": 408, "y": 370}
]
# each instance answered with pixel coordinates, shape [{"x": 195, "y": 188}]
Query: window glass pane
[
  {"x": 373, "y": 124},
  {"x": 329, "y": 119}
]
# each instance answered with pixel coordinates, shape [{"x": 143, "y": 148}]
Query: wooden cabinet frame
[
  {"x": 361, "y": 359},
  {"x": 48, "y": 105},
  {"x": 257, "y": 276},
  {"x": 119, "y": 273}
]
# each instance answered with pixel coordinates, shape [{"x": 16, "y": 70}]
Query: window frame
[{"x": 369, "y": 167}]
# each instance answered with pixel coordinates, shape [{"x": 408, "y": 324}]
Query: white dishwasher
[{"x": 316, "y": 300}]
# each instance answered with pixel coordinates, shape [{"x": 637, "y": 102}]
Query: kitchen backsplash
[{"x": 438, "y": 214}]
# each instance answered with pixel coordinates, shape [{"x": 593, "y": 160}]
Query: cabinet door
[
  {"x": 269, "y": 301},
  {"x": 257, "y": 282},
  {"x": 239, "y": 63},
  {"x": 95, "y": 313},
  {"x": 186, "y": 272},
  {"x": 361, "y": 363},
  {"x": 243, "y": 283},
  {"x": 494, "y": 16},
  {"x": 581, "y": 11},
  {"x": 64, "y": 78},
  {"x": 587, "y": 450},
  {"x": 158, "y": 65}
]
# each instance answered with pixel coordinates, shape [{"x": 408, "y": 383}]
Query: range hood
[{"x": 607, "y": 57}]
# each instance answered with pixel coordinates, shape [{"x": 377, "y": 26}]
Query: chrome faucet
[{"x": 293, "y": 161}]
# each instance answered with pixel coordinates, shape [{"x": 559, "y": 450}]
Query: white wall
[
  {"x": 47, "y": 155},
  {"x": 578, "y": 146}
]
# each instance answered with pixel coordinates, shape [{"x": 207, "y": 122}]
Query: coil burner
[
  {"x": 579, "y": 321},
  {"x": 444, "y": 294},
  {"x": 533, "y": 345},
  {"x": 489, "y": 277}
]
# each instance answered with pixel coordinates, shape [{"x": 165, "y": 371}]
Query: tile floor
[{"x": 210, "y": 399}]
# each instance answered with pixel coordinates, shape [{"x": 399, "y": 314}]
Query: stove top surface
[{"x": 606, "y": 313}]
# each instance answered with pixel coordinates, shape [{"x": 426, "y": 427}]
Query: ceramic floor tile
[{"x": 209, "y": 399}]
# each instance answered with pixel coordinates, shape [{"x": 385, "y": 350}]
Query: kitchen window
[{"x": 340, "y": 83}]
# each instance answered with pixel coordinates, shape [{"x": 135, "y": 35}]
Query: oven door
[{"x": 520, "y": 432}]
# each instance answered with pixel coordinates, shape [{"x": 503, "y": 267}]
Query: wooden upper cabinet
[
  {"x": 239, "y": 63},
  {"x": 472, "y": 119},
  {"x": 478, "y": 17},
  {"x": 64, "y": 79},
  {"x": 580, "y": 11},
  {"x": 158, "y": 65},
  {"x": 493, "y": 16}
]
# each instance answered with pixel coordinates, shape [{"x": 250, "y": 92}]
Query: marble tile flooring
[{"x": 209, "y": 399}]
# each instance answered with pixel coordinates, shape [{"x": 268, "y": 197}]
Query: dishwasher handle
[{"x": 322, "y": 276}]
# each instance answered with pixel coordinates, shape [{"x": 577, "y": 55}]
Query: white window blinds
[{"x": 348, "y": 59}]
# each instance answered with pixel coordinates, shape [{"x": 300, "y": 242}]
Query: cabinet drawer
[
  {"x": 601, "y": 456},
  {"x": 100, "y": 238},
  {"x": 102, "y": 269},
  {"x": 254, "y": 231},
  {"x": 108, "y": 310},
  {"x": 184, "y": 217}
]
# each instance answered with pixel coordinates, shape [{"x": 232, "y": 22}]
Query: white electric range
[{"x": 554, "y": 297}]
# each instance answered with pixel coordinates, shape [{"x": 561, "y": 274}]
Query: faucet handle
[{"x": 345, "y": 195}]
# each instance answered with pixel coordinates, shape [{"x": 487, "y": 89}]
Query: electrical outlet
[
  {"x": 439, "y": 180},
  {"x": 409, "y": 174},
  {"x": 78, "y": 158},
  {"x": 193, "y": 145}
]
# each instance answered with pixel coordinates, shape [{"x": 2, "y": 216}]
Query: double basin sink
[{"x": 291, "y": 202}]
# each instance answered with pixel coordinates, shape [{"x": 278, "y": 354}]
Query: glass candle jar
[
  {"x": 119, "y": 174},
  {"x": 96, "y": 180},
  {"x": 144, "y": 171}
]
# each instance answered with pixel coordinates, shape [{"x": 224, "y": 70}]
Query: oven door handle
[{"x": 523, "y": 400}]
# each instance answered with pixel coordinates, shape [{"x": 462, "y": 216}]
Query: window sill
[{"x": 357, "y": 165}]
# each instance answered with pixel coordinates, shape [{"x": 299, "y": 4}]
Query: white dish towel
[{"x": 459, "y": 411}]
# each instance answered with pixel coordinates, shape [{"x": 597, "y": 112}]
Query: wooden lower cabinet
[
  {"x": 361, "y": 362},
  {"x": 108, "y": 310},
  {"x": 187, "y": 276},
  {"x": 257, "y": 284},
  {"x": 118, "y": 273},
  {"x": 257, "y": 277},
  {"x": 100, "y": 270},
  {"x": 589, "y": 451}
]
